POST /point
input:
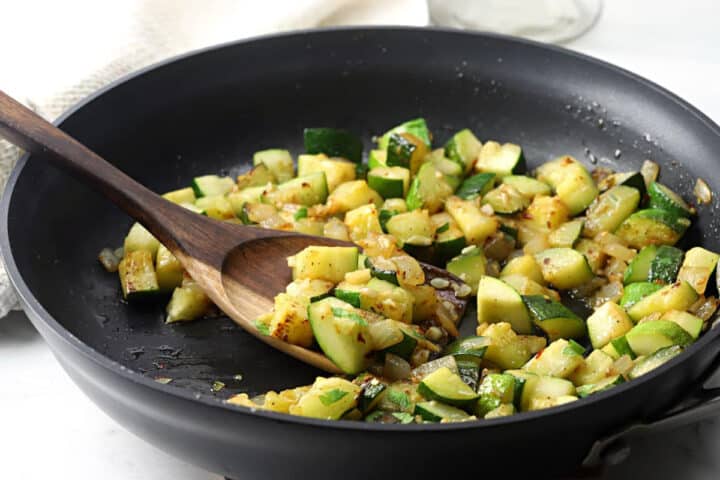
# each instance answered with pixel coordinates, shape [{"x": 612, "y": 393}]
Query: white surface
[{"x": 48, "y": 429}]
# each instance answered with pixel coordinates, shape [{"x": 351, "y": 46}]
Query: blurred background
[{"x": 55, "y": 53}]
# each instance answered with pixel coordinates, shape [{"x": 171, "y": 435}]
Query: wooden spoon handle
[{"x": 174, "y": 226}]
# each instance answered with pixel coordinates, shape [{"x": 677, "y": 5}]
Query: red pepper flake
[{"x": 538, "y": 354}]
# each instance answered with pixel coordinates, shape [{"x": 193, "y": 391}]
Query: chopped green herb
[
  {"x": 443, "y": 228},
  {"x": 342, "y": 313},
  {"x": 332, "y": 396},
  {"x": 404, "y": 417},
  {"x": 399, "y": 398},
  {"x": 301, "y": 213},
  {"x": 217, "y": 385},
  {"x": 262, "y": 327}
]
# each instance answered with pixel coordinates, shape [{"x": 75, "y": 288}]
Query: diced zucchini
[
  {"x": 370, "y": 395},
  {"x": 211, "y": 185},
  {"x": 351, "y": 195},
  {"x": 325, "y": 263},
  {"x": 524, "y": 286},
  {"x": 389, "y": 182},
  {"x": 328, "y": 398},
  {"x": 647, "y": 364},
  {"x": 290, "y": 322},
  {"x": 308, "y": 190},
  {"x": 606, "y": 323},
  {"x": 555, "y": 319},
  {"x": 451, "y": 171},
  {"x": 541, "y": 403},
  {"x": 390, "y": 301},
  {"x": 540, "y": 391},
  {"x": 596, "y": 366},
  {"x": 311, "y": 289},
  {"x": 168, "y": 269},
  {"x": 309, "y": 226},
  {"x": 601, "y": 386},
  {"x": 647, "y": 338},
  {"x": 405, "y": 347},
  {"x": 469, "y": 372},
  {"x": 352, "y": 294},
  {"x": 433, "y": 411},
  {"x": 188, "y": 303},
  {"x": 259, "y": 175},
  {"x": 341, "y": 333},
  {"x": 496, "y": 389},
  {"x": 628, "y": 179},
  {"x": 468, "y": 349},
  {"x": 428, "y": 189},
  {"x": 137, "y": 275},
  {"x": 447, "y": 387},
  {"x": 463, "y": 148},
  {"x": 571, "y": 182},
  {"x": 564, "y": 268},
  {"x": 405, "y": 150},
  {"x": 363, "y": 221},
  {"x": 652, "y": 227},
  {"x": 505, "y": 200},
  {"x": 278, "y": 161},
  {"x": 336, "y": 170},
  {"x": 499, "y": 302},
  {"x": 333, "y": 142},
  {"x": 618, "y": 347},
  {"x": 469, "y": 267},
  {"x": 449, "y": 239},
  {"x": 416, "y": 127},
  {"x": 472, "y": 221},
  {"x": 414, "y": 228},
  {"x": 184, "y": 195},
  {"x": 559, "y": 359},
  {"x": 382, "y": 268},
  {"x": 216, "y": 206},
  {"x": 507, "y": 349},
  {"x": 502, "y": 160},
  {"x": 635, "y": 292},
  {"x": 547, "y": 213},
  {"x": 377, "y": 158},
  {"x": 593, "y": 252},
  {"x": 611, "y": 209},
  {"x": 476, "y": 186},
  {"x": 504, "y": 410},
  {"x": 566, "y": 234},
  {"x": 697, "y": 268},
  {"x": 690, "y": 323},
  {"x": 638, "y": 270},
  {"x": 665, "y": 266},
  {"x": 254, "y": 213},
  {"x": 678, "y": 296},
  {"x": 663, "y": 198},
  {"x": 527, "y": 186},
  {"x": 138, "y": 238},
  {"x": 249, "y": 195},
  {"x": 525, "y": 266}
]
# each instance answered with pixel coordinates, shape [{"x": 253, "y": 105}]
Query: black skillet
[{"x": 207, "y": 112}]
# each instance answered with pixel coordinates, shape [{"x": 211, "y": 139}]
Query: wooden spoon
[{"x": 240, "y": 268}]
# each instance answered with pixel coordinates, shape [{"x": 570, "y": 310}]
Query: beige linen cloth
[{"x": 55, "y": 53}]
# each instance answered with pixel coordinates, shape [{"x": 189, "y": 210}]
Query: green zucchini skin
[
  {"x": 635, "y": 292},
  {"x": 652, "y": 227},
  {"x": 476, "y": 185},
  {"x": 387, "y": 275},
  {"x": 333, "y": 142},
  {"x": 638, "y": 269},
  {"x": 554, "y": 318},
  {"x": 666, "y": 265},
  {"x": 663, "y": 198}
]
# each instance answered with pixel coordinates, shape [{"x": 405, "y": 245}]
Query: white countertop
[{"x": 49, "y": 429}]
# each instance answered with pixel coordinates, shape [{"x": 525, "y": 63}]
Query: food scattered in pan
[{"x": 528, "y": 245}]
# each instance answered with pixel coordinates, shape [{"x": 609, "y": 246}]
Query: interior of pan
[{"x": 208, "y": 113}]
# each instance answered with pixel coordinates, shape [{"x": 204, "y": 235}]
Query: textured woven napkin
[{"x": 75, "y": 47}]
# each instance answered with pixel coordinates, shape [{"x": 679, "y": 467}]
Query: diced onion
[
  {"x": 537, "y": 244},
  {"x": 409, "y": 271},
  {"x": 704, "y": 308},
  {"x": 108, "y": 260},
  {"x": 611, "y": 292},
  {"x": 702, "y": 192},
  {"x": 427, "y": 368},
  {"x": 336, "y": 229},
  {"x": 396, "y": 368},
  {"x": 622, "y": 365},
  {"x": 650, "y": 171},
  {"x": 384, "y": 334},
  {"x": 619, "y": 251}
]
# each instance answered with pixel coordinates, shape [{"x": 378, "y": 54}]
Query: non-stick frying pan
[{"x": 207, "y": 112}]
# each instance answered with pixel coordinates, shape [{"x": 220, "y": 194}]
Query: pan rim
[{"x": 36, "y": 312}]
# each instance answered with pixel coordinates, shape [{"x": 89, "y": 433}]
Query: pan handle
[{"x": 702, "y": 404}]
